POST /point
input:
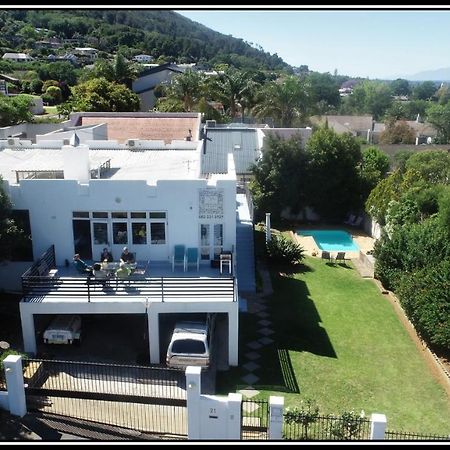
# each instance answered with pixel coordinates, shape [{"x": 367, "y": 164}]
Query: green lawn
[
  {"x": 339, "y": 342},
  {"x": 50, "y": 110}
]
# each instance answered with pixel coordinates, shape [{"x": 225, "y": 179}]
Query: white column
[
  {"x": 28, "y": 331},
  {"x": 153, "y": 335},
  {"x": 276, "y": 405},
  {"x": 14, "y": 385},
  {"x": 377, "y": 427},
  {"x": 233, "y": 336},
  {"x": 193, "y": 389},
  {"x": 234, "y": 416},
  {"x": 268, "y": 234}
]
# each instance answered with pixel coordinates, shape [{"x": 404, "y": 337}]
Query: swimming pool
[{"x": 332, "y": 240}]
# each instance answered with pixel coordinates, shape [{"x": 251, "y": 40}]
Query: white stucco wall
[
  {"x": 52, "y": 202},
  {"x": 30, "y": 129},
  {"x": 85, "y": 134}
]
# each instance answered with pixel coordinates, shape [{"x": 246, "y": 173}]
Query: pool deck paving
[{"x": 362, "y": 239}]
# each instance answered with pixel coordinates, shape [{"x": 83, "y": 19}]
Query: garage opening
[{"x": 108, "y": 338}]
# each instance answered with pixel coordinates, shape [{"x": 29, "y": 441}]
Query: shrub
[
  {"x": 6, "y": 353},
  {"x": 424, "y": 295},
  {"x": 305, "y": 415},
  {"x": 410, "y": 248},
  {"x": 283, "y": 250}
]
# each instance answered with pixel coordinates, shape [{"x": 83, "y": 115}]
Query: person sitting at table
[
  {"x": 106, "y": 254},
  {"x": 99, "y": 275},
  {"x": 126, "y": 256},
  {"x": 80, "y": 265},
  {"x": 123, "y": 271}
]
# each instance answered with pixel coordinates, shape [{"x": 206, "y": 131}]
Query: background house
[
  {"x": 143, "y": 58},
  {"x": 149, "y": 79},
  {"x": 17, "y": 57},
  {"x": 358, "y": 126}
]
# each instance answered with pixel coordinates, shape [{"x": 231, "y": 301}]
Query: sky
[{"x": 372, "y": 43}]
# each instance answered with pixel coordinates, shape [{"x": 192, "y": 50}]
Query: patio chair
[
  {"x": 192, "y": 258},
  {"x": 179, "y": 256},
  {"x": 326, "y": 255},
  {"x": 340, "y": 256}
]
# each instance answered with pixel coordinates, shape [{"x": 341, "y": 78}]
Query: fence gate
[
  {"x": 255, "y": 419},
  {"x": 147, "y": 399}
]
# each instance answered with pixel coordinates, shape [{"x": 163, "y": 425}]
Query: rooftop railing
[{"x": 36, "y": 288}]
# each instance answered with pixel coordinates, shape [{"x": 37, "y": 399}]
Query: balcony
[{"x": 152, "y": 282}]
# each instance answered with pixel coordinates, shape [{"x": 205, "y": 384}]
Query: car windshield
[{"x": 188, "y": 346}]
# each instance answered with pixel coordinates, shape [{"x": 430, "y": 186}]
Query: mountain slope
[
  {"x": 155, "y": 32},
  {"x": 442, "y": 74}
]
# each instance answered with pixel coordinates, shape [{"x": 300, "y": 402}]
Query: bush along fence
[
  {"x": 305, "y": 423},
  {"x": 220, "y": 417}
]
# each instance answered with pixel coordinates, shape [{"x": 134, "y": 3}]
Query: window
[
  {"x": 204, "y": 241},
  {"x": 81, "y": 214},
  {"x": 100, "y": 233},
  {"x": 218, "y": 239},
  {"x": 120, "y": 233},
  {"x": 119, "y": 215},
  {"x": 158, "y": 232},
  {"x": 157, "y": 215},
  {"x": 138, "y": 215},
  {"x": 139, "y": 232},
  {"x": 100, "y": 215}
]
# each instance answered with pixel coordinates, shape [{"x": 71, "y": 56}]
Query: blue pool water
[{"x": 331, "y": 240}]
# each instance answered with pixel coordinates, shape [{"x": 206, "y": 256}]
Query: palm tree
[
  {"x": 187, "y": 87},
  {"x": 284, "y": 100},
  {"x": 234, "y": 88}
]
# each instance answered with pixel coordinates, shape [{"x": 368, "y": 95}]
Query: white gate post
[
  {"x": 15, "y": 385},
  {"x": 193, "y": 389},
  {"x": 377, "y": 426},
  {"x": 234, "y": 415},
  {"x": 276, "y": 406}
]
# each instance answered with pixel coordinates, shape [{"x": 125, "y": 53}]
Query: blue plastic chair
[
  {"x": 192, "y": 257},
  {"x": 179, "y": 256}
]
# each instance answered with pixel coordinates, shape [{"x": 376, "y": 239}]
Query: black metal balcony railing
[{"x": 158, "y": 289}]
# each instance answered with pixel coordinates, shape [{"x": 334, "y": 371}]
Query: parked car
[
  {"x": 64, "y": 329},
  {"x": 191, "y": 344}
]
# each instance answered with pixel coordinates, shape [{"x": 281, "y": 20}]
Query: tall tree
[
  {"x": 371, "y": 97},
  {"x": 333, "y": 173},
  {"x": 374, "y": 167},
  {"x": 400, "y": 87},
  {"x": 424, "y": 91},
  {"x": 187, "y": 87},
  {"x": 15, "y": 110},
  {"x": 234, "y": 88},
  {"x": 439, "y": 116},
  {"x": 279, "y": 177},
  {"x": 99, "y": 94},
  {"x": 285, "y": 101},
  {"x": 323, "y": 91}
]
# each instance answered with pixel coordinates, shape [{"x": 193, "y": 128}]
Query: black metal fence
[
  {"x": 328, "y": 428},
  {"x": 405, "y": 436},
  {"x": 42, "y": 265},
  {"x": 148, "y": 399},
  {"x": 36, "y": 287},
  {"x": 255, "y": 419}
]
